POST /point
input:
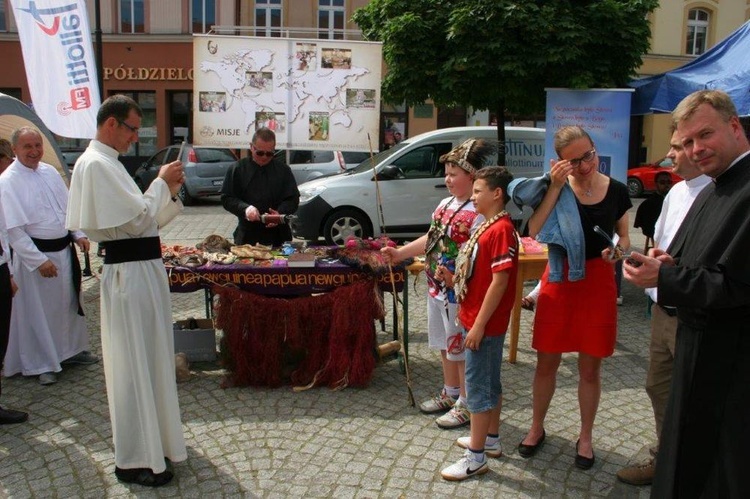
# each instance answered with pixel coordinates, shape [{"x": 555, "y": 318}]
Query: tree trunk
[{"x": 501, "y": 149}]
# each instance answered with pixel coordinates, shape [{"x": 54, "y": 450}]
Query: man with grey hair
[
  {"x": 705, "y": 274},
  {"x": 47, "y": 325}
]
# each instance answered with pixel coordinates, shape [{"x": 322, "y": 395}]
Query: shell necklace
[{"x": 465, "y": 258}]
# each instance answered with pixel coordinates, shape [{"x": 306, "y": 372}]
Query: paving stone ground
[{"x": 360, "y": 443}]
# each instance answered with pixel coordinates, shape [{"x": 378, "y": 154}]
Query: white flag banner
[{"x": 59, "y": 59}]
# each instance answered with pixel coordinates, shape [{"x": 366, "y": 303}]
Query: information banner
[
  {"x": 315, "y": 94},
  {"x": 603, "y": 113}
]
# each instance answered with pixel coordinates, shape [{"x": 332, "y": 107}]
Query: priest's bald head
[
  {"x": 710, "y": 130},
  {"x": 118, "y": 122},
  {"x": 28, "y": 146}
]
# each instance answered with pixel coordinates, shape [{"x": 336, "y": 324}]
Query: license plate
[{"x": 218, "y": 182}]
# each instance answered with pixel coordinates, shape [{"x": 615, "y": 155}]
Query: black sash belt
[
  {"x": 132, "y": 250},
  {"x": 54, "y": 245},
  {"x": 670, "y": 311}
]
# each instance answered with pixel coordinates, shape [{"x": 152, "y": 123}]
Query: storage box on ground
[{"x": 199, "y": 343}]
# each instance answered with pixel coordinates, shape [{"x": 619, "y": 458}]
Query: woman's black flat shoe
[
  {"x": 526, "y": 451},
  {"x": 583, "y": 462}
]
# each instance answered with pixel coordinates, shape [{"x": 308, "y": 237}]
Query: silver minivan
[
  {"x": 309, "y": 165},
  {"x": 411, "y": 184}
]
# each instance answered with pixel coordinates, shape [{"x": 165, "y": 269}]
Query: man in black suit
[{"x": 7, "y": 290}]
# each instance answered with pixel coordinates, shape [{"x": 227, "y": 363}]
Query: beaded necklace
[
  {"x": 465, "y": 258},
  {"x": 437, "y": 229}
]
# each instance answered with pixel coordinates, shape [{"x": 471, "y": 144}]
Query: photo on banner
[{"x": 603, "y": 113}]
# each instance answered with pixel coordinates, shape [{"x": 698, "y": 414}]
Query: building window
[
  {"x": 267, "y": 18},
  {"x": 331, "y": 19},
  {"x": 147, "y": 138},
  {"x": 12, "y": 91},
  {"x": 132, "y": 16},
  {"x": 204, "y": 15},
  {"x": 697, "y": 31},
  {"x": 3, "y": 16}
]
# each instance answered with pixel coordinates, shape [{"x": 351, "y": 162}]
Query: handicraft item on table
[{"x": 364, "y": 253}]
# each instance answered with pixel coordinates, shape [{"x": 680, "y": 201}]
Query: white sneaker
[
  {"x": 619, "y": 300},
  {"x": 439, "y": 403},
  {"x": 495, "y": 450},
  {"x": 466, "y": 467},
  {"x": 458, "y": 416}
]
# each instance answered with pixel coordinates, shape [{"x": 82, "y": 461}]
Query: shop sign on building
[{"x": 315, "y": 94}]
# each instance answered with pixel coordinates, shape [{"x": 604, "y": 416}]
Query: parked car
[
  {"x": 309, "y": 165},
  {"x": 205, "y": 168},
  {"x": 411, "y": 183},
  {"x": 642, "y": 179},
  {"x": 71, "y": 156}
]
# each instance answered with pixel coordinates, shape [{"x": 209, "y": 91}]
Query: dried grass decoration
[{"x": 322, "y": 340}]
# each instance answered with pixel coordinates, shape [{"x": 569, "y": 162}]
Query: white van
[{"x": 411, "y": 181}]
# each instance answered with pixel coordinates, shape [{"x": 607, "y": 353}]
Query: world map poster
[{"x": 315, "y": 94}]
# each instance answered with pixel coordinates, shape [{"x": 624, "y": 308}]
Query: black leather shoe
[
  {"x": 143, "y": 476},
  {"x": 9, "y": 416},
  {"x": 583, "y": 462},
  {"x": 527, "y": 451}
]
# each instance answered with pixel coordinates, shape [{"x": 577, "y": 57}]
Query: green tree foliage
[{"x": 500, "y": 54}]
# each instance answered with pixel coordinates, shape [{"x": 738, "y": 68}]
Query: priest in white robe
[
  {"x": 136, "y": 309},
  {"x": 47, "y": 323}
]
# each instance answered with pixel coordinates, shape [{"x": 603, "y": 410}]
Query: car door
[{"x": 409, "y": 200}]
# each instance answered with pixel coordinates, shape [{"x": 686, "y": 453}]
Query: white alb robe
[
  {"x": 45, "y": 327},
  {"x": 136, "y": 310}
]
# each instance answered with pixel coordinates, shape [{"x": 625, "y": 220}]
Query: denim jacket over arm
[{"x": 562, "y": 231}]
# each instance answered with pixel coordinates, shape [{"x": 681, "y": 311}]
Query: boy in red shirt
[{"x": 484, "y": 281}]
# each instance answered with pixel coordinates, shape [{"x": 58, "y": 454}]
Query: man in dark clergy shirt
[
  {"x": 649, "y": 210},
  {"x": 260, "y": 185},
  {"x": 705, "y": 273}
]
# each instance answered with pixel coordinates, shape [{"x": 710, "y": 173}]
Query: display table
[
  {"x": 529, "y": 267},
  {"x": 279, "y": 327}
]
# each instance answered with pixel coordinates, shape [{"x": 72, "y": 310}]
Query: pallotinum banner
[
  {"x": 315, "y": 94},
  {"x": 59, "y": 60},
  {"x": 603, "y": 113}
]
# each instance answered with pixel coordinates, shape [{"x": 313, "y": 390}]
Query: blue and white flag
[{"x": 59, "y": 61}]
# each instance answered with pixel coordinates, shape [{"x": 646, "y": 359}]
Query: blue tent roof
[{"x": 726, "y": 66}]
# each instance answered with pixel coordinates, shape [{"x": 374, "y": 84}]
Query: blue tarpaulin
[{"x": 726, "y": 66}]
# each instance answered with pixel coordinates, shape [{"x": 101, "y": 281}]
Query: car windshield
[
  {"x": 355, "y": 157},
  {"x": 367, "y": 164},
  {"x": 211, "y": 155}
]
